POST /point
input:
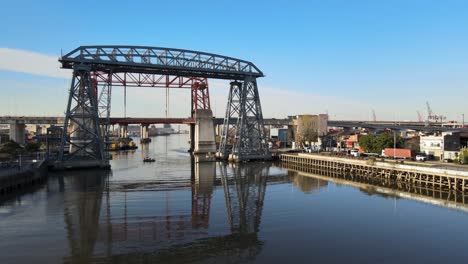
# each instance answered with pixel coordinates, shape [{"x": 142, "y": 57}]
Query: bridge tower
[
  {"x": 84, "y": 142},
  {"x": 243, "y": 127},
  {"x": 202, "y": 133},
  {"x": 104, "y": 89}
]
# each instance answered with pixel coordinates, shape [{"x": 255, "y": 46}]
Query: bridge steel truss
[
  {"x": 198, "y": 85},
  {"x": 85, "y": 138},
  {"x": 243, "y": 127},
  {"x": 98, "y": 68}
]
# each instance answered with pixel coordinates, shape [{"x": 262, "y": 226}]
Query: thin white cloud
[
  {"x": 31, "y": 62},
  {"x": 276, "y": 102},
  {"x": 281, "y": 102}
]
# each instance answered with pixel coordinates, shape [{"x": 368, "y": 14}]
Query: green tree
[
  {"x": 375, "y": 144},
  {"x": 463, "y": 156},
  {"x": 367, "y": 142},
  {"x": 10, "y": 147}
]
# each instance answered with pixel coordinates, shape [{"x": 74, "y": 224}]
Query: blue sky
[{"x": 345, "y": 57}]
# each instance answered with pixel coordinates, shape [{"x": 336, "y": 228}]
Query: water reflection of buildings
[
  {"x": 306, "y": 184},
  {"x": 103, "y": 230}
]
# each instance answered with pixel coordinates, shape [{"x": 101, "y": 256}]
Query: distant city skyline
[{"x": 339, "y": 57}]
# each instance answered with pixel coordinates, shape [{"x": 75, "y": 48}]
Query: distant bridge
[
  {"x": 32, "y": 120},
  {"x": 394, "y": 125},
  {"x": 53, "y": 120}
]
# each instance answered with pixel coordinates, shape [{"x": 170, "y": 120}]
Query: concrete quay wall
[
  {"x": 417, "y": 175},
  {"x": 22, "y": 179}
]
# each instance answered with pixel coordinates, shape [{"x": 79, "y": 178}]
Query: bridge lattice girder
[{"x": 155, "y": 60}]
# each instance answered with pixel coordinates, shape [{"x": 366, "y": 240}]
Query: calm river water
[{"x": 176, "y": 210}]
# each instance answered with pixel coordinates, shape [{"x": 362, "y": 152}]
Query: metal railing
[{"x": 22, "y": 163}]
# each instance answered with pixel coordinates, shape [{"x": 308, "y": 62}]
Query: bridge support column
[
  {"x": 144, "y": 136},
  {"x": 192, "y": 137},
  {"x": 18, "y": 132},
  {"x": 85, "y": 141},
  {"x": 218, "y": 130},
  {"x": 123, "y": 131},
  {"x": 243, "y": 129},
  {"x": 204, "y": 133}
]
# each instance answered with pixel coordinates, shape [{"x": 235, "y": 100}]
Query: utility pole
[
  {"x": 463, "y": 120},
  {"x": 394, "y": 144}
]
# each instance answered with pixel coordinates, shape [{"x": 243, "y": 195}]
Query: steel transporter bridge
[{"x": 96, "y": 69}]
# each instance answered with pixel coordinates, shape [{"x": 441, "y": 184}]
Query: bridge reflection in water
[
  {"x": 104, "y": 224},
  {"x": 215, "y": 215}
]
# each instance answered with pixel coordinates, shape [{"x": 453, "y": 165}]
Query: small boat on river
[{"x": 147, "y": 159}]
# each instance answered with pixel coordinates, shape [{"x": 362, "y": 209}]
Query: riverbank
[
  {"x": 438, "y": 178},
  {"x": 17, "y": 179},
  {"x": 385, "y": 188}
]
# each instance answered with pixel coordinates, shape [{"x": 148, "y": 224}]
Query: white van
[{"x": 354, "y": 152}]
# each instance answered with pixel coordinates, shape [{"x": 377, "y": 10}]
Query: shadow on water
[{"x": 100, "y": 230}]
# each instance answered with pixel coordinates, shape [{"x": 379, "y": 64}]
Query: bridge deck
[{"x": 418, "y": 126}]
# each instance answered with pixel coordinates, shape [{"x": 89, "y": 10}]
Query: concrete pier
[
  {"x": 123, "y": 132},
  {"x": 80, "y": 164},
  {"x": 144, "y": 136},
  {"x": 204, "y": 132},
  {"x": 22, "y": 178}
]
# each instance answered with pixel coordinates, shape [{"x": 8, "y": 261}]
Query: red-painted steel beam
[
  {"x": 150, "y": 121},
  {"x": 147, "y": 80},
  {"x": 198, "y": 85}
]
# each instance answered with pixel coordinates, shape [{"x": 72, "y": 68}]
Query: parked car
[
  {"x": 355, "y": 153},
  {"x": 421, "y": 158}
]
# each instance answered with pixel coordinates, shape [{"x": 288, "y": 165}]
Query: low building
[
  {"x": 347, "y": 140},
  {"x": 441, "y": 146},
  {"x": 353, "y": 142},
  {"x": 306, "y": 127}
]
